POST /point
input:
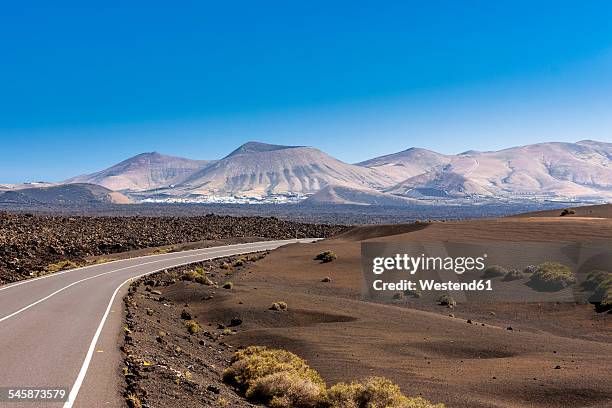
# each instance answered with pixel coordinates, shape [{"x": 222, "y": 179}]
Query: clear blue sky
[{"x": 84, "y": 86}]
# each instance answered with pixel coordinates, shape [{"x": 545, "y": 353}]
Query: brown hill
[{"x": 145, "y": 171}]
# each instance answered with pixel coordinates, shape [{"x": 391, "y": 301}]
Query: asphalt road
[{"x": 62, "y": 330}]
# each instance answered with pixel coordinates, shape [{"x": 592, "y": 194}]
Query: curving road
[{"x": 62, "y": 330}]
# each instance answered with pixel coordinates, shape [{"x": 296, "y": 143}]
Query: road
[{"x": 62, "y": 330}]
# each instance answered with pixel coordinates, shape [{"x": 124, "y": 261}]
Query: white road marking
[
  {"x": 83, "y": 371},
  {"x": 51, "y": 275},
  {"x": 227, "y": 248}
]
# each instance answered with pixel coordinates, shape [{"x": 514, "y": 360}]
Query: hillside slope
[
  {"x": 258, "y": 168},
  {"x": 143, "y": 172}
]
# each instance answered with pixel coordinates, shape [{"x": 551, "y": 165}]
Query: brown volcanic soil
[
  {"x": 29, "y": 242},
  {"x": 426, "y": 351},
  {"x": 177, "y": 368}
]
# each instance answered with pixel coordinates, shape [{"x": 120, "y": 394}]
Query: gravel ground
[
  {"x": 29, "y": 243},
  {"x": 163, "y": 363}
]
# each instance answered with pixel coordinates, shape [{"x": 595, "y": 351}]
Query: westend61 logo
[
  {"x": 412, "y": 265},
  {"x": 405, "y": 263},
  {"x": 426, "y": 272}
]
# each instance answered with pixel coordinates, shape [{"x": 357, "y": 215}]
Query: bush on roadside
[
  {"x": 552, "y": 276},
  {"x": 133, "y": 401},
  {"x": 61, "y": 266},
  {"x": 326, "y": 256},
  {"x": 198, "y": 275},
  {"x": 190, "y": 276},
  {"x": 228, "y": 285},
  {"x": 277, "y": 378},
  {"x": 567, "y": 211}
]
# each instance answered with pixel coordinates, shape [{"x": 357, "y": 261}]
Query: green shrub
[
  {"x": 447, "y": 300},
  {"x": 193, "y": 327},
  {"x": 61, "y": 266},
  {"x": 239, "y": 262},
  {"x": 326, "y": 256},
  {"x": 277, "y": 378},
  {"x": 374, "y": 392},
  {"x": 205, "y": 280},
  {"x": 567, "y": 211},
  {"x": 494, "y": 271},
  {"x": 190, "y": 276},
  {"x": 280, "y": 306},
  {"x": 228, "y": 285},
  {"x": 198, "y": 275},
  {"x": 601, "y": 283},
  {"x": 552, "y": 276},
  {"x": 281, "y": 379}
]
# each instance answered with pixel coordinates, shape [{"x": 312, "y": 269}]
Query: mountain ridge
[{"x": 550, "y": 169}]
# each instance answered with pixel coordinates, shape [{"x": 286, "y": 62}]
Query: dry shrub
[
  {"x": 199, "y": 276},
  {"x": 286, "y": 390},
  {"x": 281, "y": 379},
  {"x": 61, "y": 266},
  {"x": 552, "y": 276},
  {"x": 133, "y": 401},
  {"x": 374, "y": 392},
  {"x": 279, "y": 306},
  {"x": 326, "y": 256},
  {"x": 193, "y": 327},
  {"x": 275, "y": 377}
]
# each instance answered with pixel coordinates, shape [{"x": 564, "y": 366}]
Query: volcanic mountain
[
  {"x": 145, "y": 171},
  {"x": 556, "y": 169},
  {"x": 551, "y": 170},
  {"x": 263, "y": 169}
]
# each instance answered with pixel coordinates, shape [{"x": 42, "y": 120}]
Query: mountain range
[{"x": 559, "y": 171}]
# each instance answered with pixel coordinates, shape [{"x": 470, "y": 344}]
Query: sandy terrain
[{"x": 556, "y": 355}]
